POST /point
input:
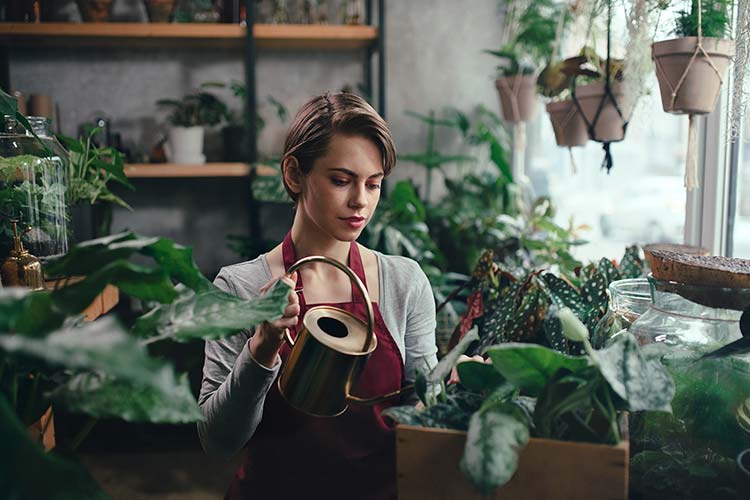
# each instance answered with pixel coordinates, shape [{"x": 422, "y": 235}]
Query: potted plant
[
  {"x": 159, "y": 11},
  {"x": 692, "y": 67},
  {"x": 529, "y": 33},
  {"x": 571, "y": 405},
  {"x": 46, "y": 355},
  {"x": 554, "y": 82},
  {"x": 89, "y": 173},
  {"x": 95, "y": 11},
  {"x": 188, "y": 118}
]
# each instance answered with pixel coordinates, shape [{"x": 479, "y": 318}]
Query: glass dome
[{"x": 32, "y": 187}]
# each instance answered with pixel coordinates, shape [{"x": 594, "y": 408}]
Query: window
[{"x": 740, "y": 235}]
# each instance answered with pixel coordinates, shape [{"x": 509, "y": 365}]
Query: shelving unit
[
  {"x": 172, "y": 170},
  {"x": 368, "y": 38},
  {"x": 269, "y": 36}
]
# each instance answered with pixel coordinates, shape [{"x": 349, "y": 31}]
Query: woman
[{"x": 336, "y": 154}]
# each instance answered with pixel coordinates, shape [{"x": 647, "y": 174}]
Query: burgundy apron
[{"x": 292, "y": 455}]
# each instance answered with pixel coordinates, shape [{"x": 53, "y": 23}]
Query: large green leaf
[
  {"x": 102, "y": 396},
  {"x": 28, "y": 313},
  {"x": 644, "y": 384},
  {"x": 26, "y": 471},
  {"x": 102, "y": 346},
  {"x": 142, "y": 282},
  {"x": 529, "y": 367},
  {"x": 211, "y": 313},
  {"x": 477, "y": 376},
  {"x": 493, "y": 443},
  {"x": 91, "y": 256}
]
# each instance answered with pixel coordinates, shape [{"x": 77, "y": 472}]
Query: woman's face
[{"x": 342, "y": 190}]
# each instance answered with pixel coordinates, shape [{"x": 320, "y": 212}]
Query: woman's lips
[{"x": 354, "y": 222}]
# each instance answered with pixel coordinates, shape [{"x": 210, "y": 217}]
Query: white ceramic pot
[{"x": 185, "y": 146}]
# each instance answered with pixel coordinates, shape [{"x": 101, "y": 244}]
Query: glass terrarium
[
  {"x": 628, "y": 299},
  {"x": 692, "y": 453},
  {"x": 32, "y": 187}
]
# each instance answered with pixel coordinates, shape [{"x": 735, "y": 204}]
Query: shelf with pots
[{"x": 273, "y": 36}]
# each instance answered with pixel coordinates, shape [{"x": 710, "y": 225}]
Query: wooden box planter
[
  {"x": 427, "y": 465},
  {"x": 102, "y": 304}
]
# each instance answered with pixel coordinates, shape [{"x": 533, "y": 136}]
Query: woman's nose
[{"x": 358, "y": 196}]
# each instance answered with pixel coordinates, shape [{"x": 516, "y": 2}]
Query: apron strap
[{"x": 355, "y": 263}]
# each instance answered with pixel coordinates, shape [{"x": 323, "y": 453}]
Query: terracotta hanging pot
[
  {"x": 609, "y": 126},
  {"x": 517, "y": 97},
  {"x": 159, "y": 11},
  {"x": 570, "y": 129},
  {"x": 700, "y": 89},
  {"x": 95, "y": 11}
]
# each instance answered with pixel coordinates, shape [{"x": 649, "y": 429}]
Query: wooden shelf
[
  {"x": 172, "y": 170},
  {"x": 275, "y": 36}
]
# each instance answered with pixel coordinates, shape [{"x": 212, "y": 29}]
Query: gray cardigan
[{"x": 234, "y": 385}]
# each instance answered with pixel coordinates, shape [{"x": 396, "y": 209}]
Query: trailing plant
[
  {"x": 197, "y": 108},
  {"x": 530, "y": 390},
  {"x": 529, "y": 34},
  {"x": 91, "y": 169},
  {"x": 557, "y": 79},
  {"x": 103, "y": 369}
]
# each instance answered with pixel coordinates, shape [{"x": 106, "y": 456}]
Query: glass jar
[
  {"x": 691, "y": 453},
  {"x": 628, "y": 299},
  {"x": 32, "y": 185}
]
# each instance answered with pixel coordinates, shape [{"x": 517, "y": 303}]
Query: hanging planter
[
  {"x": 567, "y": 123},
  {"x": 690, "y": 75},
  {"x": 517, "y": 97},
  {"x": 605, "y": 113},
  {"x": 691, "y": 71}
]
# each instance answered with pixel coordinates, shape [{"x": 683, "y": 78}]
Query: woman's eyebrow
[{"x": 353, "y": 174}]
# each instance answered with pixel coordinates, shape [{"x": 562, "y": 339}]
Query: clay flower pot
[
  {"x": 609, "y": 126},
  {"x": 567, "y": 122},
  {"x": 95, "y": 11},
  {"x": 159, "y": 11},
  {"x": 517, "y": 97},
  {"x": 700, "y": 89}
]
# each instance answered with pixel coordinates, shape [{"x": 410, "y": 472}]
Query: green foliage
[
  {"x": 524, "y": 308},
  {"x": 91, "y": 169},
  {"x": 543, "y": 393},
  {"x": 532, "y": 36},
  {"x": 714, "y": 19},
  {"x": 101, "y": 368},
  {"x": 689, "y": 454},
  {"x": 197, "y": 108}
]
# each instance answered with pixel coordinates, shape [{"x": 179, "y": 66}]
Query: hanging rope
[
  {"x": 573, "y": 166},
  {"x": 607, "y": 162},
  {"x": 691, "y": 160}
]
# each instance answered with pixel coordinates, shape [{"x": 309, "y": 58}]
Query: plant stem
[{"x": 85, "y": 431}]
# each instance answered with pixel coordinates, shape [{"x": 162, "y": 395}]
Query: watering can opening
[{"x": 333, "y": 327}]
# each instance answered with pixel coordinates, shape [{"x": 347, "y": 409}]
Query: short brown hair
[{"x": 325, "y": 115}]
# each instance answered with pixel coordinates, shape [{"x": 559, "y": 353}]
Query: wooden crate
[
  {"x": 427, "y": 463},
  {"x": 102, "y": 303}
]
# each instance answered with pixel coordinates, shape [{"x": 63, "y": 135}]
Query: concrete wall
[{"x": 433, "y": 60}]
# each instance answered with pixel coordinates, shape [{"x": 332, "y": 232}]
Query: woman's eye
[
  {"x": 338, "y": 182},
  {"x": 373, "y": 186}
]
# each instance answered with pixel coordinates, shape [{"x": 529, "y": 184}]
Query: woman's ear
[{"x": 292, "y": 173}]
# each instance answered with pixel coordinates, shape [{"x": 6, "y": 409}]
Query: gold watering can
[{"x": 329, "y": 354}]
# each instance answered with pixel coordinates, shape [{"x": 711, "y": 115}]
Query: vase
[
  {"x": 95, "y": 11},
  {"x": 600, "y": 112},
  {"x": 700, "y": 89},
  {"x": 517, "y": 97},
  {"x": 184, "y": 146},
  {"x": 567, "y": 123}
]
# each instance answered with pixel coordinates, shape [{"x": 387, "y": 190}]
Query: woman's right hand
[{"x": 269, "y": 336}]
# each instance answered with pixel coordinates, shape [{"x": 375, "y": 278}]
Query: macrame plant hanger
[
  {"x": 691, "y": 160},
  {"x": 607, "y": 163}
]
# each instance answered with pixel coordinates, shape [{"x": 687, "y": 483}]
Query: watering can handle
[{"x": 353, "y": 277}]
